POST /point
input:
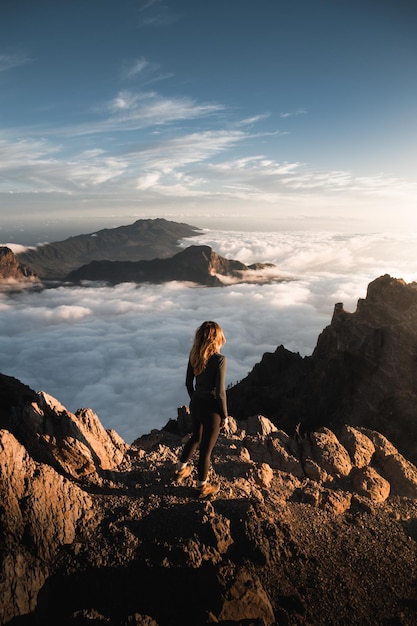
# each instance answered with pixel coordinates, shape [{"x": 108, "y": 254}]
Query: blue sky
[{"x": 275, "y": 114}]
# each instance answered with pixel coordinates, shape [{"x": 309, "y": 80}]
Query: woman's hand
[{"x": 224, "y": 424}]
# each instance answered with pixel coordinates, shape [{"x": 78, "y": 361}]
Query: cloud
[
  {"x": 179, "y": 166},
  {"x": 137, "y": 67},
  {"x": 152, "y": 109},
  {"x": 10, "y": 61},
  {"x": 133, "y": 111},
  {"x": 122, "y": 351},
  {"x": 37, "y": 165},
  {"x": 156, "y": 13},
  {"x": 295, "y": 113},
  {"x": 187, "y": 149},
  {"x": 24, "y": 150},
  {"x": 249, "y": 121}
]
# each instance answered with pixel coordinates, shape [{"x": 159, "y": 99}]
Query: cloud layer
[{"x": 122, "y": 351}]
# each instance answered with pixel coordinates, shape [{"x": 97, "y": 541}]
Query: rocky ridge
[
  {"x": 313, "y": 529},
  {"x": 196, "y": 264}
]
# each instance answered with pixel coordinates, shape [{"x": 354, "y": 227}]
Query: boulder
[
  {"x": 259, "y": 425},
  {"x": 359, "y": 446},
  {"x": 367, "y": 482},
  {"x": 245, "y": 600},
  {"x": 329, "y": 453},
  {"x": 399, "y": 471}
]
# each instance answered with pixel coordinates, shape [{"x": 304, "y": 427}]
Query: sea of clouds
[{"x": 123, "y": 350}]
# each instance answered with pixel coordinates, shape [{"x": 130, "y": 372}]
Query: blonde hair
[{"x": 208, "y": 340}]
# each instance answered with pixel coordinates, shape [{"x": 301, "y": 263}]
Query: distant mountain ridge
[
  {"x": 145, "y": 239},
  {"x": 198, "y": 264}
]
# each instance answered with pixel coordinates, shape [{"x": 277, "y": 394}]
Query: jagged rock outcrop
[
  {"x": 12, "y": 270},
  {"x": 303, "y": 531},
  {"x": 76, "y": 445},
  {"x": 145, "y": 239},
  {"x": 362, "y": 372},
  {"x": 197, "y": 264}
]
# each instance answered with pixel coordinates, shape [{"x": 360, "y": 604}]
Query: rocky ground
[{"x": 311, "y": 530}]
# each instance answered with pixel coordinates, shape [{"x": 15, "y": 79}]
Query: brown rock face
[
  {"x": 362, "y": 372},
  {"x": 41, "y": 512},
  {"x": 74, "y": 444},
  {"x": 10, "y": 268}
]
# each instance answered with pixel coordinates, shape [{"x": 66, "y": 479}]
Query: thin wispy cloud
[
  {"x": 191, "y": 148},
  {"x": 135, "y": 68},
  {"x": 24, "y": 151},
  {"x": 144, "y": 72},
  {"x": 37, "y": 166},
  {"x": 11, "y": 61},
  {"x": 156, "y": 13},
  {"x": 294, "y": 114},
  {"x": 132, "y": 111},
  {"x": 249, "y": 121}
]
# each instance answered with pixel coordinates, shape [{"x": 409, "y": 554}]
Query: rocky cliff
[
  {"x": 197, "y": 264},
  {"x": 11, "y": 270},
  {"x": 363, "y": 372},
  {"x": 316, "y": 526}
]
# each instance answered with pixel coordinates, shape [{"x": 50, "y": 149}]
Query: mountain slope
[
  {"x": 198, "y": 264},
  {"x": 145, "y": 239}
]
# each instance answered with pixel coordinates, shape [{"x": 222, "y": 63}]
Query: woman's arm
[
  {"x": 189, "y": 380},
  {"x": 220, "y": 387}
]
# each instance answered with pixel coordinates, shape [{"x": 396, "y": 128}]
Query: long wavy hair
[{"x": 208, "y": 340}]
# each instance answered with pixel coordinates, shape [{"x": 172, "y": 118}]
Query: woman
[{"x": 208, "y": 406}]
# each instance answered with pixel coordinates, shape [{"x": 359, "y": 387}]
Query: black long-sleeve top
[{"x": 211, "y": 382}]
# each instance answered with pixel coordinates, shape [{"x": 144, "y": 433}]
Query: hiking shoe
[
  {"x": 180, "y": 475},
  {"x": 208, "y": 490}
]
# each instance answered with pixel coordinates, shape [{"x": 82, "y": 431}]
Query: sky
[{"x": 284, "y": 114}]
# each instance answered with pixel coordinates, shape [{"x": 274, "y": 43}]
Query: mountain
[
  {"x": 12, "y": 270},
  {"x": 198, "y": 264},
  {"x": 363, "y": 371},
  {"x": 314, "y": 524},
  {"x": 311, "y": 530},
  {"x": 145, "y": 239}
]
